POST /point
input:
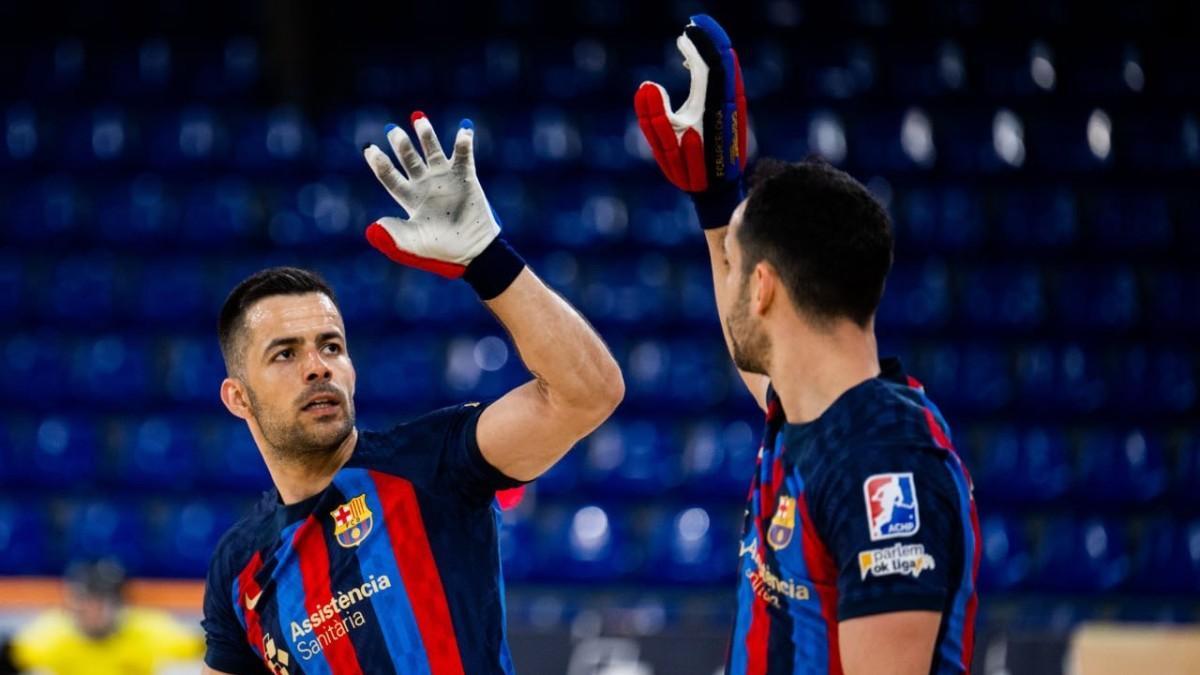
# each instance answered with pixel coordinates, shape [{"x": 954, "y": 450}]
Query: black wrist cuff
[
  {"x": 714, "y": 207},
  {"x": 494, "y": 270}
]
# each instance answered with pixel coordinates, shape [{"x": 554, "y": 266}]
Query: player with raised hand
[
  {"x": 861, "y": 542},
  {"x": 377, "y": 552}
]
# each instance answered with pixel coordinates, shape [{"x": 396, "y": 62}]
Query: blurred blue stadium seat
[
  {"x": 110, "y": 368},
  {"x": 25, "y": 536},
  {"x": 588, "y": 543},
  {"x": 1174, "y": 293},
  {"x": 229, "y": 458},
  {"x": 397, "y": 368},
  {"x": 97, "y": 528},
  {"x": 1004, "y": 297},
  {"x": 1017, "y": 467},
  {"x": 629, "y": 458},
  {"x": 191, "y": 368},
  {"x": 12, "y": 282},
  {"x": 1116, "y": 469},
  {"x": 689, "y": 546},
  {"x": 1081, "y": 556},
  {"x": 1041, "y": 218},
  {"x": 717, "y": 457},
  {"x": 82, "y": 289},
  {"x": 183, "y": 537},
  {"x": 216, "y": 212},
  {"x": 917, "y": 296},
  {"x": 948, "y": 219},
  {"x": 158, "y": 450},
  {"x": 1007, "y": 558},
  {"x": 985, "y": 378},
  {"x": 1167, "y": 559},
  {"x": 272, "y": 139},
  {"x": 1185, "y": 468},
  {"x": 1128, "y": 220},
  {"x": 1079, "y": 383},
  {"x": 171, "y": 290},
  {"x": 1097, "y": 298},
  {"x": 57, "y": 451},
  {"x": 36, "y": 367},
  {"x": 47, "y": 210}
]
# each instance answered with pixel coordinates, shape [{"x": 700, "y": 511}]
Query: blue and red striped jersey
[
  {"x": 394, "y": 567},
  {"x": 865, "y": 510}
]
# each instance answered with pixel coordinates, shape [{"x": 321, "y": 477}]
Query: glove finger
[
  {"x": 742, "y": 127},
  {"x": 434, "y": 155},
  {"x": 672, "y": 164},
  {"x": 406, "y": 152},
  {"x": 692, "y": 110},
  {"x": 718, "y": 105},
  {"x": 387, "y": 173},
  {"x": 711, "y": 31},
  {"x": 651, "y": 103},
  {"x": 464, "y": 146},
  {"x": 692, "y": 155}
]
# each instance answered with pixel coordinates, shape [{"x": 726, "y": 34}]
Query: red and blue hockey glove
[
  {"x": 702, "y": 146},
  {"x": 451, "y": 230}
]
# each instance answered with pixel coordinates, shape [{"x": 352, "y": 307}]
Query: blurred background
[{"x": 1040, "y": 159}]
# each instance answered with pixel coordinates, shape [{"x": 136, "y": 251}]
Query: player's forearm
[{"x": 571, "y": 365}]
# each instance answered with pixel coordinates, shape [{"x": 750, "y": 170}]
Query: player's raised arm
[
  {"x": 452, "y": 231},
  {"x": 701, "y": 148}
]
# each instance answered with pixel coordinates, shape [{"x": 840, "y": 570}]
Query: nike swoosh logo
[{"x": 252, "y": 602}]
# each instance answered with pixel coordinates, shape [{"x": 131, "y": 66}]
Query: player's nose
[{"x": 315, "y": 368}]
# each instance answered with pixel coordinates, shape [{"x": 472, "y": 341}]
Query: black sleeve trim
[
  {"x": 492, "y": 476},
  {"x": 904, "y": 602}
]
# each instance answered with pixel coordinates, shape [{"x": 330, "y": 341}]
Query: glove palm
[{"x": 449, "y": 220}]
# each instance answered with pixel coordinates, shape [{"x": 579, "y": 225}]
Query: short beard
[
  {"x": 290, "y": 441},
  {"x": 751, "y": 346}
]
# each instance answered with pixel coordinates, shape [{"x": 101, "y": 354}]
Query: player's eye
[
  {"x": 282, "y": 355},
  {"x": 333, "y": 348}
]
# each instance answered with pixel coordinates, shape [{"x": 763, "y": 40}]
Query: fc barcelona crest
[
  {"x": 352, "y": 522},
  {"x": 779, "y": 535}
]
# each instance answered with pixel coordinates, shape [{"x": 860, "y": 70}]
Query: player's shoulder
[
  {"x": 418, "y": 435},
  {"x": 148, "y": 623},
  {"x": 51, "y": 625},
  {"x": 886, "y": 414}
]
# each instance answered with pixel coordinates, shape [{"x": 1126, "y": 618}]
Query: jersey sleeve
[
  {"x": 225, "y": 646},
  {"x": 441, "y": 450},
  {"x": 890, "y": 523}
]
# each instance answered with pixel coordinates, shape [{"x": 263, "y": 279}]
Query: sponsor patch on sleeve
[
  {"x": 891, "y": 505},
  {"x": 903, "y": 559}
]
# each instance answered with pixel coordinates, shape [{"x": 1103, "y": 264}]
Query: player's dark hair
[
  {"x": 264, "y": 284},
  {"x": 829, "y": 239}
]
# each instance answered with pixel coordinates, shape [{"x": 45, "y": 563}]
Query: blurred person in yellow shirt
[{"x": 97, "y": 634}]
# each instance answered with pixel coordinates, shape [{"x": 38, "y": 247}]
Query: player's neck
[
  {"x": 811, "y": 367},
  {"x": 298, "y": 481}
]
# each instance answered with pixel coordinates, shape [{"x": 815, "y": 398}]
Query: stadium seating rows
[
  {"x": 1045, "y": 291},
  {"x": 622, "y": 542}
]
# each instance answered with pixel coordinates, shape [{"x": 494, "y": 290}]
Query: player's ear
[
  {"x": 764, "y": 288},
  {"x": 235, "y": 398}
]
